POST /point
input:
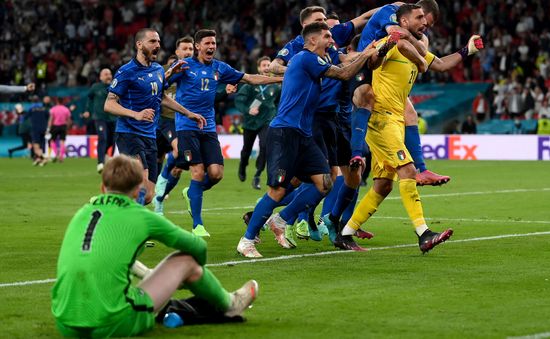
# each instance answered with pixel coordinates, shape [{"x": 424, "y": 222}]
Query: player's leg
[
  {"x": 102, "y": 141},
  {"x": 412, "y": 141},
  {"x": 363, "y": 100},
  {"x": 248, "y": 141},
  {"x": 175, "y": 172},
  {"x": 62, "y": 138}
]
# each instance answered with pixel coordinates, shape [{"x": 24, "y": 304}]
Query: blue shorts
[
  {"x": 325, "y": 132},
  {"x": 198, "y": 147},
  {"x": 139, "y": 146},
  {"x": 166, "y": 133},
  {"x": 290, "y": 154}
]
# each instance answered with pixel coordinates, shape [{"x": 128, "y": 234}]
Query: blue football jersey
[
  {"x": 300, "y": 92},
  {"x": 138, "y": 87},
  {"x": 376, "y": 26},
  {"x": 328, "y": 99},
  {"x": 196, "y": 90}
]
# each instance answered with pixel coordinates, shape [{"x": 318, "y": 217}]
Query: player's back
[
  {"x": 376, "y": 26},
  {"x": 60, "y": 115},
  {"x": 100, "y": 245}
]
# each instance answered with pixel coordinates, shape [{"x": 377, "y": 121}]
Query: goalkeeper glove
[{"x": 474, "y": 45}]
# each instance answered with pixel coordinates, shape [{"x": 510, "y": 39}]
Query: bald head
[{"x": 105, "y": 76}]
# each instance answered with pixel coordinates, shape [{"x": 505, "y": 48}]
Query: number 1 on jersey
[{"x": 87, "y": 243}]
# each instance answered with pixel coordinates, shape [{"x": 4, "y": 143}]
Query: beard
[{"x": 150, "y": 54}]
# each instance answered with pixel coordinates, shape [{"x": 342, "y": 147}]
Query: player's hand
[
  {"x": 475, "y": 44},
  {"x": 254, "y": 110},
  {"x": 31, "y": 87},
  {"x": 230, "y": 89},
  {"x": 86, "y": 115},
  {"x": 147, "y": 114},
  {"x": 177, "y": 67},
  {"x": 201, "y": 121}
]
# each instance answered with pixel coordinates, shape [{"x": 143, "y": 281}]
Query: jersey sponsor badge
[
  {"x": 401, "y": 155},
  {"x": 393, "y": 18},
  {"x": 283, "y": 52},
  {"x": 321, "y": 61},
  {"x": 281, "y": 173},
  {"x": 114, "y": 83},
  {"x": 187, "y": 155}
]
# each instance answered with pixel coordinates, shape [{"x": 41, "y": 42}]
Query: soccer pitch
[{"x": 490, "y": 280}]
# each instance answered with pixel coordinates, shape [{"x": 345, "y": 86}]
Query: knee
[
  {"x": 215, "y": 176},
  {"x": 176, "y": 172},
  {"x": 363, "y": 97},
  {"x": 327, "y": 184},
  {"x": 383, "y": 187},
  {"x": 277, "y": 193}
]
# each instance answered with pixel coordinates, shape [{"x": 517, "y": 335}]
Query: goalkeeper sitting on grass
[{"x": 93, "y": 295}]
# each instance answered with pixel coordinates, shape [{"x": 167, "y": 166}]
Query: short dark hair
[
  {"x": 314, "y": 28},
  {"x": 308, "y": 11},
  {"x": 204, "y": 33},
  {"x": 405, "y": 9},
  {"x": 429, "y": 6},
  {"x": 186, "y": 39},
  {"x": 333, "y": 16},
  {"x": 171, "y": 57},
  {"x": 141, "y": 33},
  {"x": 262, "y": 59}
]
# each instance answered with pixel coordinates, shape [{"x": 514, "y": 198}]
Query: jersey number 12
[{"x": 87, "y": 243}]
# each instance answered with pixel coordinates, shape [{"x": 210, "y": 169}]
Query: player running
[
  {"x": 135, "y": 95},
  {"x": 93, "y": 296},
  {"x": 392, "y": 83},
  {"x": 199, "y": 150}
]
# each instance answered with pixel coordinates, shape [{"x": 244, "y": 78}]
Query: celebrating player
[
  {"x": 392, "y": 83},
  {"x": 93, "y": 296},
  {"x": 291, "y": 150},
  {"x": 136, "y": 95},
  {"x": 199, "y": 150}
]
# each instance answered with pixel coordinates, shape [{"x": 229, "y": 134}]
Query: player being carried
[
  {"x": 392, "y": 83},
  {"x": 93, "y": 296}
]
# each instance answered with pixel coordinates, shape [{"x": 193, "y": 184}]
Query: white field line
[
  {"x": 533, "y": 336},
  {"x": 442, "y": 195},
  {"x": 295, "y": 256}
]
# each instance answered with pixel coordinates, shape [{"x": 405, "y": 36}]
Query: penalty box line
[{"x": 305, "y": 255}]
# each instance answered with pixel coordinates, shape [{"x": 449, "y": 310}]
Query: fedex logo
[
  {"x": 452, "y": 149},
  {"x": 82, "y": 146}
]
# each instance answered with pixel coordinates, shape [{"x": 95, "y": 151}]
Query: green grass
[{"x": 488, "y": 288}]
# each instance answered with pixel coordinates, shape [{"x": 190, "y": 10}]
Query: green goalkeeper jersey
[{"x": 100, "y": 246}]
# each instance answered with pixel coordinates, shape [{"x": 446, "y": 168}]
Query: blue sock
[
  {"x": 262, "y": 211},
  {"x": 359, "y": 124},
  {"x": 412, "y": 141},
  {"x": 289, "y": 196},
  {"x": 141, "y": 196},
  {"x": 345, "y": 197},
  {"x": 332, "y": 196},
  {"x": 170, "y": 164},
  {"x": 195, "y": 197},
  {"x": 309, "y": 197},
  {"x": 349, "y": 210},
  {"x": 172, "y": 182},
  {"x": 303, "y": 215},
  {"x": 206, "y": 183}
]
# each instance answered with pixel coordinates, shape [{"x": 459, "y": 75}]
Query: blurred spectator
[
  {"x": 23, "y": 130},
  {"x": 515, "y": 101},
  {"x": 480, "y": 107},
  {"x": 469, "y": 126},
  {"x": 518, "y": 127},
  {"x": 451, "y": 127},
  {"x": 422, "y": 124},
  {"x": 528, "y": 103},
  {"x": 543, "y": 125}
]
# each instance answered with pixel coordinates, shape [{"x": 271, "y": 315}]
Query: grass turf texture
[{"x": 487, "y": 288}]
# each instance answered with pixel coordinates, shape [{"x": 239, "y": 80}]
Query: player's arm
[
  {"x": 347, "y": 71},
  {"x": 411, "y": 53},
  {"x": 112, "y": 106},
  {"x": 446, "y": 63},
  {"x": 258, "y": 79},
  {"x": 277, "y": 66},
  {"x": 167, "y": 101}
]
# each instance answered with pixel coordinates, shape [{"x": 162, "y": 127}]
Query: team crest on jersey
[
  {"x": 159, "y": 77},
  {"x": 114, "y": 83},
  {"x": 401, "y": 155},
  {"x": 281, "y": 173},
  {"x": 321, "y": 61},
  {"x": 216, "y": 76},
  {"x": 393, "y": 18},
  {"x": 360, "y": 77},
  {"x": 187, "y": 155},
  {"x": 283, "y": 52}
]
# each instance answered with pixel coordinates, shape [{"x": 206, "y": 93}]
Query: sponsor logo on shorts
[
  {"x": 281, "y": 173},
  {"x": 187, "y": 155},
  {"x": 283, "y": 52},
  {"x": 170, "y": 134},
  {"x": 401, "y": 155}
]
